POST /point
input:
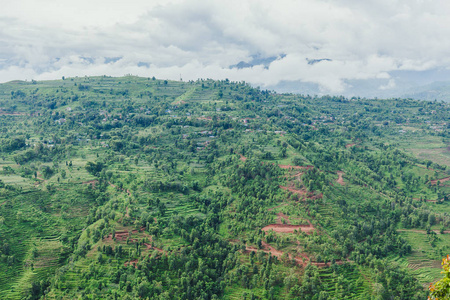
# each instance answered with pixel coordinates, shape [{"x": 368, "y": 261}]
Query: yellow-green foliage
[{"x": 441, "y": 289}]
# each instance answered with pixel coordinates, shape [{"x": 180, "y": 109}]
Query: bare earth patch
[
  {"x": 281, "y": 216},
  {"x": 302, "y": 260},
  {"x": 302, "y": 192},
  {"x": 434, "y": 182},
  {"x": 340, "y": 180},
  {"x": 91, "y": 182},
  {"x": 287, "y": 228}
]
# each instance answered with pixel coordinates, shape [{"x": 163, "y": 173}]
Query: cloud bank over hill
[{"x": 329, "y": 45}]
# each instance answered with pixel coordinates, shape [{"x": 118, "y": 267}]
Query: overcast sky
[{"x": 274, "y": 41}]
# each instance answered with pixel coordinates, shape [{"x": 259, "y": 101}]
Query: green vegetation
[{"x": 129, "y": 188}]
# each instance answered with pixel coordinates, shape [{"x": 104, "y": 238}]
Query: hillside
[{"x": 124, "y": 188}]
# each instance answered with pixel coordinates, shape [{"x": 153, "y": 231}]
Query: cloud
[{"x": 361, "y": 40}]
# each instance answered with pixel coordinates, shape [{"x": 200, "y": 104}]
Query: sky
[{"x": 330, "y": 44}]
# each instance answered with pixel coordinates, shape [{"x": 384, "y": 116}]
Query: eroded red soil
[
  {"x": 302, "y": 192},
  {"x": 302, "y": 260},
  {"x": 434, "y": 182},
  {"x": 131, "y": 262}
]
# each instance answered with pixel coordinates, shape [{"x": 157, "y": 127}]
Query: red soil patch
[
  {"x": 340, "y": 180},
  {"x": 266, "y": 248},
  {"x": 91, "y": 182},
  {"x": 434, "y": 182},
  {"x": 289, "y": 167},
  {"x": 287, "y": 228},
  {"x": 243, "y": 158},
  {"x": 303, "y": 259},
  {"x": 149, "y": 246},
  {"x": 282, "y": 216},
  {"x": 123, "y": 235},
  {"x": 294, "y": 190},
  {"x": 131, "y": 262},
  {"x": 302, "y": 192},
  {"x": 349, "y": 145}
]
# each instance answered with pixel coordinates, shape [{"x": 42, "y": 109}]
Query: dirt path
[
  {"x": 38, "y": 176},
  {"x": 113, "y": 185},
  {"x": 91, "y": 182},
  {"x": 280, "y": 217},
  {"x": 302, "y": 192},
  {"x": 123, "y": 235},
  {"x": 294, "y": 190},
  {"x": 267, "y": 249},
  {"x": 287, "y": 228},
  {"x": 302, "y": 260},
  {"x": 340, "y": 180},
  {"x": 149, "y": 247},
  {"x": 131, "y": 263},
  {"x": 434, "y": 182},
  {"x": 422, "y": 231},
  {"x": 289, "y": 167}
]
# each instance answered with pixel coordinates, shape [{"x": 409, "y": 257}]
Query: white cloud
[
  {"x": 390, "y": 85},
  {"x": 201, "y": 38}
]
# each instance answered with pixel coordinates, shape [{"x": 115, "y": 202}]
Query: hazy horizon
[{"x": 382, "y": 48}]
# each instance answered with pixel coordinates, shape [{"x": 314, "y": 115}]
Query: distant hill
[{"x": 138, "y": 188}]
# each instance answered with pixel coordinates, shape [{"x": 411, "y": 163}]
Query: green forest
[{"x": 140, "y": 188}]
